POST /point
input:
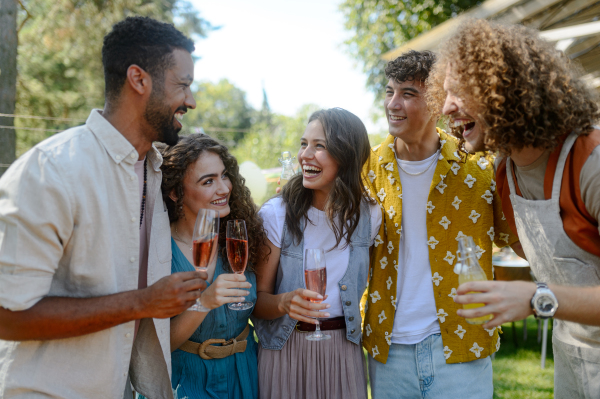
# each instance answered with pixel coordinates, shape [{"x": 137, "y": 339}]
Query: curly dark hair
[
  {"x": 348, "y": 143},
  {"x": 524, "y": 91},
  {"x": 144, "y": 42},
  {"x": 176, "y": 161},
  {"x": 411, "y": 66}
]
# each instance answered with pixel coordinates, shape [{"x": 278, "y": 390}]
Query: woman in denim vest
[{"x": 324, "y": 207}]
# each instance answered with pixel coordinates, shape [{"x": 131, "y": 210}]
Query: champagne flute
[
  {"x": 237, "y": 253},
  {"x": 315, "y": 278},
  {"x": 205, "y": 241}
]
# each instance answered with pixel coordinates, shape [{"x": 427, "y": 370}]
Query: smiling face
[
  {"x": 462, "y": 115},
  {"x": 406, "y": 111},
  {"x": 206, "y": 185},
  {"x": 171, "y": 99},
  {"x": 319, "y": 169}
]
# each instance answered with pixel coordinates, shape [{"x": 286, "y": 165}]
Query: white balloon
[{"x": 255, "y": 180}]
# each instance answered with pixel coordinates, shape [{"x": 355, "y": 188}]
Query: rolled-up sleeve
[{"x": 36, "y": 222}]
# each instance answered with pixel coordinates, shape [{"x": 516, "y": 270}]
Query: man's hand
[
  {"x": 172, "y": 294},
  {"x": 507, "y": 301}
]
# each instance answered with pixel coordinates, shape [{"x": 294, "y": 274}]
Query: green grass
[{"x": 517, "y": 369}]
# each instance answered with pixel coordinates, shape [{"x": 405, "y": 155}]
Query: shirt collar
[
  {"x": 117, "y": 146},
  {"x": 449, "y": 148}
]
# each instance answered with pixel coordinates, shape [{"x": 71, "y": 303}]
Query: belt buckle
[{"x": 202, "y": 348}]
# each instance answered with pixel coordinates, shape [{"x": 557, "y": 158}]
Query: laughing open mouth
[
  {"x": 311, "y": 171},
  {"x": 465, "y": 126}
]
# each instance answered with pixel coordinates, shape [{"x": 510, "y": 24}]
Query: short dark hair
[
  {"x": 142, "y": 41},
  {"x": 411, "y": 66}
]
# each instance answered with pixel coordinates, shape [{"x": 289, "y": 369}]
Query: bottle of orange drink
[{"x": 469, "y": 270}]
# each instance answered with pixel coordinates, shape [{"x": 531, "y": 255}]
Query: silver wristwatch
[{"x": 544, "y": 302}]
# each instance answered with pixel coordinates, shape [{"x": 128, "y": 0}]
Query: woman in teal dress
[{"x": 198, "y": 172}]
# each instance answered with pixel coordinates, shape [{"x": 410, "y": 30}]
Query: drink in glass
[
  {"x": 287, "y": 167},
  {"x": 469, "y": 270},
  {"x": 237, "y": 254},
  {"x": 205, "y": 240},
  {"x": 315, "y": 278}
]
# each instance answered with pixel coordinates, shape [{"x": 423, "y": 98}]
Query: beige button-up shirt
[{"x": 69, "y": 226}]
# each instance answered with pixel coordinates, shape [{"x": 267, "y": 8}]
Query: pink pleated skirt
[{"x": 304, "y": 369}]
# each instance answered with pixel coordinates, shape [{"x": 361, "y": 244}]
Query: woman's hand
[
  {"x": 297, "y": 305},
  {"x": 227, "y": 288}
]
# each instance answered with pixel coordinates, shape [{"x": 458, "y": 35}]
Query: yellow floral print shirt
[{"x": 462, "y": 202}]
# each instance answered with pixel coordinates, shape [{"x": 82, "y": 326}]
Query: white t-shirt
[
  {"x": 415, "y": 317},
  {"x": 318, "y": 235}
]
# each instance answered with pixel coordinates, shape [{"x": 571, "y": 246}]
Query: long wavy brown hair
[
  {"x": 176, "y": 161},
  {"x": 524, "y": 91},
  {"x": 347, "y": 142}
]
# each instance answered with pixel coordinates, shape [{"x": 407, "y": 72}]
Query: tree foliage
[
  {"x": 59, "y": 63},
  {"x": 266, "y": 140},
  {"x": 379, "y": 26},
  {"x": 222, "y": 109}
]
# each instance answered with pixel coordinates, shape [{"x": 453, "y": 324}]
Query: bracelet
[{"x": 201, "y": 307}]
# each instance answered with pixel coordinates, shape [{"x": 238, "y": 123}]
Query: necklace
[
  {"x": 143, "y": 206},
  {"x": 418, "y": 173},
  {"x": 179, "y": 238}
]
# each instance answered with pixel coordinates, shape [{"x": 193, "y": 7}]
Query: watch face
[{"x": 544, "y": 304}]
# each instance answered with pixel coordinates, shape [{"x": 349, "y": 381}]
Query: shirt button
[
  {"x": 133, "y": 219},
  {"x": 132, "y": 259},
  {"x": 344, "y": 288},
  {"x": 118, "y": 157},
  {"x": 352, "y": 332},
  {"x": 348, "y": 303},
  {"x": 124, "y": 374},
  {"x": 132, "y": 178},
  {"x": 351, "y": 318},
  {"x": 132, "y": 155},
  {"x": 222, "y": 325},
  {"x": 127, "y": 335}
]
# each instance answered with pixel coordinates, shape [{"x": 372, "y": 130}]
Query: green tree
[
  {"x": 265, "y": 141},
  {"x": 379, "y": 26},
  {"x": 221, "y": 110},
  {"x": 59, "y": 64}
]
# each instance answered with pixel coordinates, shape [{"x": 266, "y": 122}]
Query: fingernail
[
  {"x": 319, "y": 297},
  {"x": 247, "y": 293},
  {"x": 328, "y": 306},
  {"x": 326, "y": 314},
  {"x": 242, "y": 299}
]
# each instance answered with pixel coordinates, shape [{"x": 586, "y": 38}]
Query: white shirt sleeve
[
  {"x": 273, "y": 216},
  {"x": 36, "y": 220},
  {"x": 376, "y": 219}
]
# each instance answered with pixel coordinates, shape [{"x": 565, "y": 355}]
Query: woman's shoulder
[{"x": 274, "y": 206}]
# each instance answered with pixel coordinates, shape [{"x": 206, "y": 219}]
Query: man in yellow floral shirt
[{"x": 431, "y": 195}]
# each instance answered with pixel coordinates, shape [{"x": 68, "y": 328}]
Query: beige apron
[{"x": 555, "y": 259}]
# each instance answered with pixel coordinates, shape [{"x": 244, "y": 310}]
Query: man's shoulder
[{"x": 70, "y": 143}]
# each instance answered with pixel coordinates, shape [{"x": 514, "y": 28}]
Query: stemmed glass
[
  {"x": 237, "y": 253},
  {"x": 205, "y": 241},
  {"x": 315, "y": 278}
]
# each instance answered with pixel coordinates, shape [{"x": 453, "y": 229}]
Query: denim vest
[{"x": 273, "y": 334}]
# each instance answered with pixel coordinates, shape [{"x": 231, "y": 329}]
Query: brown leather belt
[
  {"x": 206, "y": 350},
  {"x": 335, "y": 323}
]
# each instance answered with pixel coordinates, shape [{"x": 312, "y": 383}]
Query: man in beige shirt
[{"x": 85, "y": 259}]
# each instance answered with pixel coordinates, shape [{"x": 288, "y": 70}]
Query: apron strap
[
  {"x": 509, "y": 176},
  {"x": 560, "y": 166}
]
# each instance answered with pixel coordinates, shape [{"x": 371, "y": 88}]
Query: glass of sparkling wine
[
  {"x": 204, "y": 243},
  {"x": 315, "y": 278},
  {"x": 237, "y": 254}
]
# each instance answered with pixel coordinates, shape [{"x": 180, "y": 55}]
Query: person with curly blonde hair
[
  {"x": 505, "y": 89},
  {"x": 199, "y": 172}
]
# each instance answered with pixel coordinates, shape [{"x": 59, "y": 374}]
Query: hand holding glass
[
  {"x": 237, "y": 254},
  {"x": 315, "y": 278},
  {"x": 204, "y": 244}
]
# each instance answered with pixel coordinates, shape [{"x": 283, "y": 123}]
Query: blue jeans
[{"x": 420, "y": 371}]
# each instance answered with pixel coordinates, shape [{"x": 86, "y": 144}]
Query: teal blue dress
[{"x": 235, "y": 376}]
